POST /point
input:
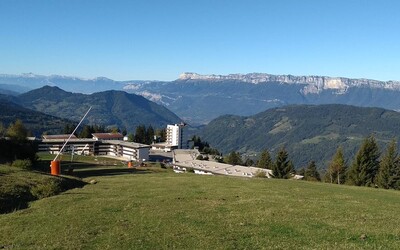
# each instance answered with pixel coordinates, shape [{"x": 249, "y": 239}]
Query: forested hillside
[
  {"x": 36, "y": 122},
  {"x": 307, "y": 132},
  {"x": 109, "y": 108}
]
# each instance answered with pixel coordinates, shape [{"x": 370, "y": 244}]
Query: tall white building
[{"x": 176, "y": 136}]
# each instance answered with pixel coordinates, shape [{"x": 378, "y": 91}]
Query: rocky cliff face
[{"x": 313, "y": 84}]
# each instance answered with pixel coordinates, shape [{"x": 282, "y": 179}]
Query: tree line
[{"x": 369, "y": 167}]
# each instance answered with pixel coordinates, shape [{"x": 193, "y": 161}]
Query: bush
[
  {"x": 260, "y": 174},
  {"x": 43, "y": 190},
  {"x": 23, "y": 164},
  {"x": 199, "y": 157}
]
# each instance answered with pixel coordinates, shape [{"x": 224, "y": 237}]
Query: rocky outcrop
[{"x": 313, "y": 84}]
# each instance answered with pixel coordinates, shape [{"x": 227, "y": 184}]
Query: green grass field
[{"x": 157, "y": 209}]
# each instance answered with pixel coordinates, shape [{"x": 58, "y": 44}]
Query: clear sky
[{"x": 159, "y": 39}]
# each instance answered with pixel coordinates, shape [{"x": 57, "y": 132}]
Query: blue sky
[{"x": 150, "y": 39}]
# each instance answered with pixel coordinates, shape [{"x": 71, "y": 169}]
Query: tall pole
[{"x": 72, "y": 134}]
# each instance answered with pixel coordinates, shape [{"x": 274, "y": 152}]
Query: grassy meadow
[{"x": 157, "y": 209}]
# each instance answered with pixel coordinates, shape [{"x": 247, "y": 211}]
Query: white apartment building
[{"x": 176, "y": 136}]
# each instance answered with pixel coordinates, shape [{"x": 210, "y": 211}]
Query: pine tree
[
  {"x": 388, "y": 174},
  {"x": 131, "y": 137},
  {"x": 337, "y": 167},
  {"x": 124, "y": 132},
  {"x": 265, "y": 160},
  {"x": 248, "y": 162},
  {"x": 86, "y": 132},
  {"x": 289, "y": 170},
  {"x": 302, "y": 172},
  {"x": 365, "y": 165},
  {"x": 140, "y": 134},
  {"x": 68, "y": 128},
  {"x": 2, "y": 130},
  {"x": 149, "y": 135},
  {"x": 311, "y": 173},
  {"x": 281, "y": 165},
  {"x": 234, "y": 158}
]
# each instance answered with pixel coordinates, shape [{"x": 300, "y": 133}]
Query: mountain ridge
[
  {"x": 200, "y": 98},
  {"x": 109, "y": 108},
  {"x": 316, "y": 83},
  {"x": 309, "y": 132},
  {"x": 37, "y": 122}
]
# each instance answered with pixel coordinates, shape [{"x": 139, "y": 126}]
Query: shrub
[
  {"x": 260, "y": 174},
  {"x": 23, "y": 164},
  {"x": 43, "y": 190}
]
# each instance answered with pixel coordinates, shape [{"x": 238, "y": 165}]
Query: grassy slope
[
  {"x": 18, "y": 187},
  {"x": 165, "y": 210}
]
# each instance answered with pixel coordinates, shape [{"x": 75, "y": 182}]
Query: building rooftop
[
  {"x": 107, "y": 136},
  {"x": 58, "y": 137},
  {"x": 127, "y": 144}
]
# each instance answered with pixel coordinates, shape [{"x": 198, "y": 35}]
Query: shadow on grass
[
  {"x": 84, "y": 173},
  {"x": 88, "y": 169}
]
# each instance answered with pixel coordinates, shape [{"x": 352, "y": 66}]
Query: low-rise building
[{"x": 116, "y": 148}]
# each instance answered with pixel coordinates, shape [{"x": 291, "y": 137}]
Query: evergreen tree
[
  {"x": 302, "y": 172},
  {"x": 311, "y": 173},
  {"x": 131, "y": 137},
  {"x": 124, "y": 132},
  {"x": 68, "y": 129},
  {"x": 149, "y": 135},
  {"x": 281, "y": 164},
  {"x": 86, "y": 132},
  {"x": 140, "y": 134},
  {"x": 234, "y": 158},
  {"x": 289, "y": 171},
  {"x": 389, "y": 174},
  {"x": 249, "y": 162},
  {"x": 265, "y": 160},
  {"x": 162, "y": 134},
  {"x": 365, "y": 165},
  {"x": 2, "y": 130},
  {"x": 337, "y": 167},
  {"x": 17, "y": 131}
]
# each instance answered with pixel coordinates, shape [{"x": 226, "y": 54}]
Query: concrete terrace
[{"x": 187, "y": 159}]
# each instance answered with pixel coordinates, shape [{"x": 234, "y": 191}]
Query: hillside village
[{"x": 176, "y": 148}]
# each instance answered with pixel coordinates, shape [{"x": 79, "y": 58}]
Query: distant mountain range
[
  {"x": 109, "y": 108},
  {"x": 198, "y": 99},
  {"x": 308, "y": 132},
  {"x": 29, "y": 81}
]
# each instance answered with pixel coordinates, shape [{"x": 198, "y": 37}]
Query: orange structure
[{"x": 55, "y": 167}]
